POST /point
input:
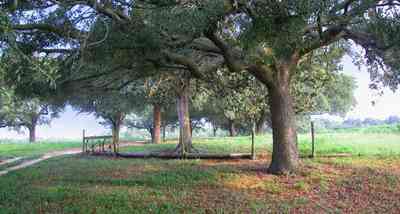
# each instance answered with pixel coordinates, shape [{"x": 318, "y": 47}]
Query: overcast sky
[
  {"x": 71, "y": 124},
  {"x": 385, "y": 105}
]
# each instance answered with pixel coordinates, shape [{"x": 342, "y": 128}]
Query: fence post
[
  {"x": 83, "y": 142},
  {"x": 253, "y": 130},
  {"x": 312, "y": 140}
]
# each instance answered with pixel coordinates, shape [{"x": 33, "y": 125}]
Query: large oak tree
[{"x": 267, "y": 39}]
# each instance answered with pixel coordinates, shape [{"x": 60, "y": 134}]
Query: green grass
[
  {"x": 353, "y": 143},
  {"x": 211, "y": 145},
  {"x": 85, "y": 184},
  {"x": 373, "y": 129},
  {"x": 326, "y": 144},
  {"x": 21, "y": 149}
]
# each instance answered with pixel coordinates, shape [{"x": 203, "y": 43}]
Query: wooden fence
[{"x": 96, "y": 143}]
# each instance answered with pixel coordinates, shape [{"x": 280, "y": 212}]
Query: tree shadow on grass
[
  {"x": 364, "y": 189},
  {"x": 180, "y": 177}
]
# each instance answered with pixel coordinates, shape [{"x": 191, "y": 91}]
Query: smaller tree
[
  {"x": 111, "y": 106},
  {"x": 157, "y": 94},
  {"x": 17, "y": 113},
  {"x": 142, "y": 120}
]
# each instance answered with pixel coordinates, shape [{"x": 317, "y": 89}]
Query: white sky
[
  {"x": 385, "y": 105},
  {"x": 70, "y": 124}
]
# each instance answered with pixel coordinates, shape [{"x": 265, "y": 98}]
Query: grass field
[
  {"x": 326, "y": 144},
  {"x": 24, "y": 149},
  {"x": 369, "y": 183},
  {"x": 384, "y": 144}
]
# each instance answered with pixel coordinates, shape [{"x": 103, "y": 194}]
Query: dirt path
[
  {"x": 50, "y": 155},
  {"x": 12, "y": 160}
]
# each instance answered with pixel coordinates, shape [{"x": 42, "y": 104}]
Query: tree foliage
[
  {"x": 17, "y": 112},
  {"x": 281, "y": 44}
]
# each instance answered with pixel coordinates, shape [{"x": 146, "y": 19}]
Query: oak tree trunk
[
  {"x": 156, "y": 136},
  {"x": 260, "y": 123},
  {"x": 116, "y": 127},
  {"x": 32, "y": 133},
  {"x": 232, "y": 128},
  {"x": 285, "y": 153},
  {"x": 164, "y": 127},
  {"x": 191, "y": 127},
  {"x": 115, "y": 138},
  {"x": 32, "y": 129},
  {"x": 259, "y": 128},
  {"x": 185, "y": 136},
  {"x": 151, "y": 132},
  {"x": 214, "y": 129}
]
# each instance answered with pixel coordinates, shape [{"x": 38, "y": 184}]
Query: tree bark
[
  {"x": 259, "y": 129},
  {"x": 32, "y": 129},
  {"x": 115, "y": 138},
  {"x": 185, "y": 136},
  {"x": 214, "y": 129},
  {"x": 191, "y": 126},
  {"x": 164, "y": 127},
  {"x": 116, "y": 130},
  {"x": 151, "y": 132},
  {"x": 276, "y": 77},
  {"x": 285, "y": 153},
  {"x": 32, "y": 133},
  {"x": 156, "y": 136},
  {"x": 232, "y": 129}
]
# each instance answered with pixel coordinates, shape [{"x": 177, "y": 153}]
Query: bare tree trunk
[
  {"x": 116, "y": 130},
  {"x": 215, "y": 129},
  {"x": 191, "y": 126},
  {"x": 260, "y": 123},
  {"x": 115, "y": 138},
  {"x": 164, "y": 127},
  {"x": 259, "y": 127},
  {"x": 156, "y": 137},
  {"x": 151, "y": 132},
  {"x": 32, "y": 133},
  {"x": 185, "y": 136},
  {"x": 285, "y": 153},
  {"x": 32, "y": 129},
  {"x": 232, "y": 128}
]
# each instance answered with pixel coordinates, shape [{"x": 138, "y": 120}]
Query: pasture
[{"x": 368, "y": 181}]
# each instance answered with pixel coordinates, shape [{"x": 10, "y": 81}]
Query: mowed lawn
[{"x": 369, "y": 183}]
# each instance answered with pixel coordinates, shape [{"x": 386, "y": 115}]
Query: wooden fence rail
[{"x": 89, "y": 143}]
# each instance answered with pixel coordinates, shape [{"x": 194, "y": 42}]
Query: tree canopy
[{"x": 281, "y": 44}]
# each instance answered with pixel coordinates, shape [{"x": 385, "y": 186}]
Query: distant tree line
[
  {"x": 353, "y": 123},
  {"x": 350, "y": 123}
]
